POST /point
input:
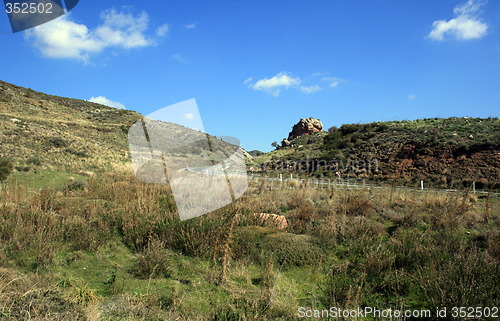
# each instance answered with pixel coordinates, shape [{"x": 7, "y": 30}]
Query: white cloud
[
  {"x": 273, "y": 85},
  {"x": 163, "y": 30},
  {"x": 64, "y": 38},
  {"x": 105, "y": 101},
  {"x": 310, "y": 89},
  {"x": 466, "y": 24},
  {"x": 190, "y": 26},
  {"x": 284, "y": 80},
  {"x": 412, "y": 97}
]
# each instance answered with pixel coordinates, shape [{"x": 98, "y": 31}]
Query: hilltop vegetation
[{"x": 444, "y": 152}]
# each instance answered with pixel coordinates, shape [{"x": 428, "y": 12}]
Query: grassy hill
[
  {"x": 440, "y": 151},
  {"x": 54, "y": 133}
]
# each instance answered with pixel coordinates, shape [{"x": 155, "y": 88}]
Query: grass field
[
  {"x": 44, "y": 179},
  {"x": 107, "y": 247}
]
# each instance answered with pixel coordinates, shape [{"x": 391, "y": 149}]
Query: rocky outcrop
[
  {"x": 271, "y": 220},
  {"x": 305, "y": 126}
]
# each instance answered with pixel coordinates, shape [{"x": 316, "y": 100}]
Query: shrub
[
  {"x": 343, "y": 286},
  {"x": 153, "y": 261},
  {"x": 287, "y": 249},
  {"x": 5, "y": 168},
  {"x": 34, "y": 161},
  {"x": 73, "y": 185},
  {"x": 57, "y": 142},
  {"x": 466, "y": 278},
  {"x": 350, "y": 128},
  {"x": 355, "y": 204}
]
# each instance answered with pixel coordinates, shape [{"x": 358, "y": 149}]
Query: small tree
[
  {"x": 275, "y": 145},
  {"x": 5, "y": 168}
]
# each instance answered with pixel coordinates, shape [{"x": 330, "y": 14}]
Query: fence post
[
  {"x": 474, "y": 187},
  {"x": 422, "y": 185}
]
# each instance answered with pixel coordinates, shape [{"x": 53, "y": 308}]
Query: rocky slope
[{"x": 443, "y": 152}]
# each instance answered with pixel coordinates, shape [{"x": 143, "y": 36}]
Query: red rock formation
[{"x": 305, "y": 126}]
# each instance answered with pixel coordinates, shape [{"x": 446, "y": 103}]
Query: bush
[
  {"x": 350, "y": 128},
  {"x": 154, "y": 261},
  {"x": 58, "y": 142},
  {"x": 287, "y": 249},
  {"x": 5, "y": 168},
  {"x": 73, "y": 185},
  {"x": 34, "y": 161}
]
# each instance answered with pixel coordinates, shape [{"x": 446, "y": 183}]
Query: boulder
[
  {"x": 305, "y": 126},
  {"x": 286, "y": 143},
  {"x": 271, "y": 220}
]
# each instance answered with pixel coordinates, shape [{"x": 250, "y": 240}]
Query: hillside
[
  {"x": 50, "y": 132},
  {"x": 440, "y": 151}
]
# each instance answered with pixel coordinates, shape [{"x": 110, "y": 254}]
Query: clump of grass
[
  {"x": 355, "y": 204},
  {"x": 343, "y": 287},
  {"x": 153, "y": 261},
  {"x": 26, "y": 297}
]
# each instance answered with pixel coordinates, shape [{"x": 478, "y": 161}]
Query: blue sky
[{"x": 256, "y": 67}]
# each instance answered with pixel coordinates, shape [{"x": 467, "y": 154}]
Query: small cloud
[
  {"x": 412, "y": 97},
  {"x": 249, "y": 79},
  {"x": 334, "y": 83},
  {"x": 190, "y": 26},
  {"x": 310, "y": 89},
  {"x": 465, "y": 26},
  {"x": 274, "y": 85},
  {"x": 105, "y": 101},
  {"x": 179, "y": 58},
  {"x": 189, "y": 116},
  {"x": 163, "y": 30}
]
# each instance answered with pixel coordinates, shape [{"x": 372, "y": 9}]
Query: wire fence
[{"x": 292, "y": 181}]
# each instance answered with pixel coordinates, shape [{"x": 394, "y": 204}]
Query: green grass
[{"x": 43, "y": 179}]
